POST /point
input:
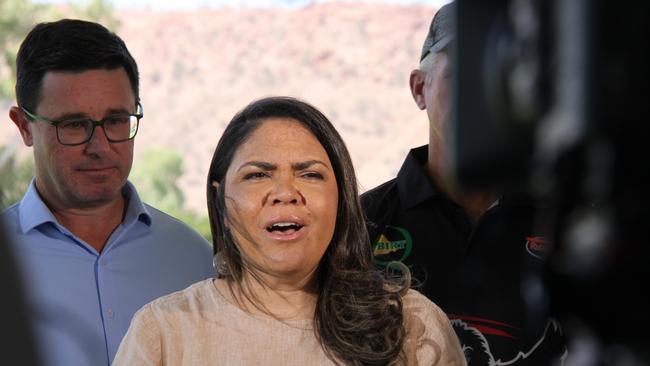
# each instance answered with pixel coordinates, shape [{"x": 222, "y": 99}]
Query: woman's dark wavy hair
[
  {"x": 68, "y": 45},
  {"x": 358, "y": 318}
]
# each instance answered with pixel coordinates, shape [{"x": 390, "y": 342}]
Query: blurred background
[{"x": 202, "y": 61}]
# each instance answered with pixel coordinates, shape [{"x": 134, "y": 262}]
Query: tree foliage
[
  {"x": 156, "y": 175},
  {"x": 15, "y": 175},
  {"x": 17, "y": 17}
]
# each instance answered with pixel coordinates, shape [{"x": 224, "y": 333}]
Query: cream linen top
[{"x": 198, "y": 326}]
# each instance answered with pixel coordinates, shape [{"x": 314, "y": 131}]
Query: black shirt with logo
[{"x": 486, "y": 277}]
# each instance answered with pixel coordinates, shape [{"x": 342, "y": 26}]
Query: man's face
[{"x": 91, "y": 174}]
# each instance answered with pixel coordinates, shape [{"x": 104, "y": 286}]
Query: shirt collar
[
  {"x": 413, "y": 182},
  {"x": 137, "y": 209},
  {"x": 33, "y": 211}
]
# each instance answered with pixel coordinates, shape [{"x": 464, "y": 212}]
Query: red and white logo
[{"x": 538, "y": 246}]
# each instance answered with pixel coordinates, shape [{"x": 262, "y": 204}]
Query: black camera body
[{"x": 551, "y": 99}]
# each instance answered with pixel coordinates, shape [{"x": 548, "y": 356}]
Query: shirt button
[{"x": 110, "y": 313}]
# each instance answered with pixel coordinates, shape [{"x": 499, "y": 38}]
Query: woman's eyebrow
[
  {"x": 301, "y": 165},
  {"x": 259, "y": 164},
  {"x": 306, "y": 164}
]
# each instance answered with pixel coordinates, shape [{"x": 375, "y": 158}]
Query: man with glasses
[{"x": 90, "y": 252}]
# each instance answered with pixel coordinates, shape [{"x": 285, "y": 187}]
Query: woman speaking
[{"x": 296, "y": 283}]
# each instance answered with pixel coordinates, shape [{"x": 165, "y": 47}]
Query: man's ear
[
  {"x": 417, "y": 81},
  {"x": 23, "y": 124}
]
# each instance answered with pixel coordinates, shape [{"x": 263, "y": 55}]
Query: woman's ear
[{"x": 215, "y": 184}]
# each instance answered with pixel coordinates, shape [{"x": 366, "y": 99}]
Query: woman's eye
[
  {"x": 312, "y": 175},
  {"x": 255, "y": 175}
]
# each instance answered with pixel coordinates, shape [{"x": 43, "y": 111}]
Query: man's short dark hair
[{"x": 68, "y": 45}]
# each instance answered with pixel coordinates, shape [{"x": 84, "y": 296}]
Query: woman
[{"x": 296, "y": 284}]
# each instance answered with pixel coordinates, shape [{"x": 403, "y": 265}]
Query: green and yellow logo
[{"x": 394, "y": 244}]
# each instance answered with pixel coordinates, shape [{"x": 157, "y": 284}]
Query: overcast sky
[{"x": 194, "y": 4}]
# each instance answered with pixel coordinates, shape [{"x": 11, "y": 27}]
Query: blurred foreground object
[
  {"x": 550, "y": 98},
  {"x": 17, "y": 338}
]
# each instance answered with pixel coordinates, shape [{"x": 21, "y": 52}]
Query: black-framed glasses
[{"x": 117, "y": 127}]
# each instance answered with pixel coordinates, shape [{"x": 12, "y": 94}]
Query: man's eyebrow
[
  {"x": 306, "y": 164},
  {"x": 259, "y": 164},
  {"x": 67, "y": 116},
  {"x": 77, "y": 115},
  {"x": 118, "y": 111}
]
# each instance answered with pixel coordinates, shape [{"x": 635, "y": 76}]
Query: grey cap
[{"x": 441, "y": 30}]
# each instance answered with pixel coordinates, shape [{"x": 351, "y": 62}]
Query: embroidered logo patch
[
  {"x": 394, "y": 244},
  {"x": 538, "y": 246}
]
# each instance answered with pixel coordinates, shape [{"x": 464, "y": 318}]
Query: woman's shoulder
[
  {"x": 190, "y": 299},
  {"x": 419, "y": 307},
  {"x": 429, "y": 332},
  {"x": 414, "y": 301}
]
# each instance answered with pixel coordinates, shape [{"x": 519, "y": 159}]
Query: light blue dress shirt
[{"x": 82, "y": 301}]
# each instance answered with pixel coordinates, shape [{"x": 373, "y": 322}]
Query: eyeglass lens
[{"x": 117, "y": 128}]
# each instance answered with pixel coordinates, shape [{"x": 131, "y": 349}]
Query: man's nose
[{"x": 98, "y": 141}]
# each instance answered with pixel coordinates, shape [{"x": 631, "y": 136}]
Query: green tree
[
  {"x": 156, "y": 175},
  {"x": 15, "y": 176},
  {"x": 17, "y": 17}
]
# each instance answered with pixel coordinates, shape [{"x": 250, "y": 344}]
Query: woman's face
[{"x": 281, "y": 198}]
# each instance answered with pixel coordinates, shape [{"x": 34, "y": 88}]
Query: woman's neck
[{"x": 271, "y": 298}]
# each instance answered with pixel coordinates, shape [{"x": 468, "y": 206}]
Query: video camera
[{"x": 550, "y": 98}]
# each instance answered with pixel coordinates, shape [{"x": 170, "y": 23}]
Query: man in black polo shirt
[{"x": 477, "y": 255}]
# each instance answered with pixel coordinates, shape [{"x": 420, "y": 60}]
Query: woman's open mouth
[{"x": 284, "y": 227}]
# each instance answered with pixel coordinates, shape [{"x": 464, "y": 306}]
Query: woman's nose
[{"x": 285, "y": 192}]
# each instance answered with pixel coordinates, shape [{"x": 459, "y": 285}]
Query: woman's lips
[
  {"x": 285, "y": 229},
  {"x": 288, "y": 235}
]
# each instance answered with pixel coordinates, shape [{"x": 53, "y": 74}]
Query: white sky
[{"x": 195, "y": 4}]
